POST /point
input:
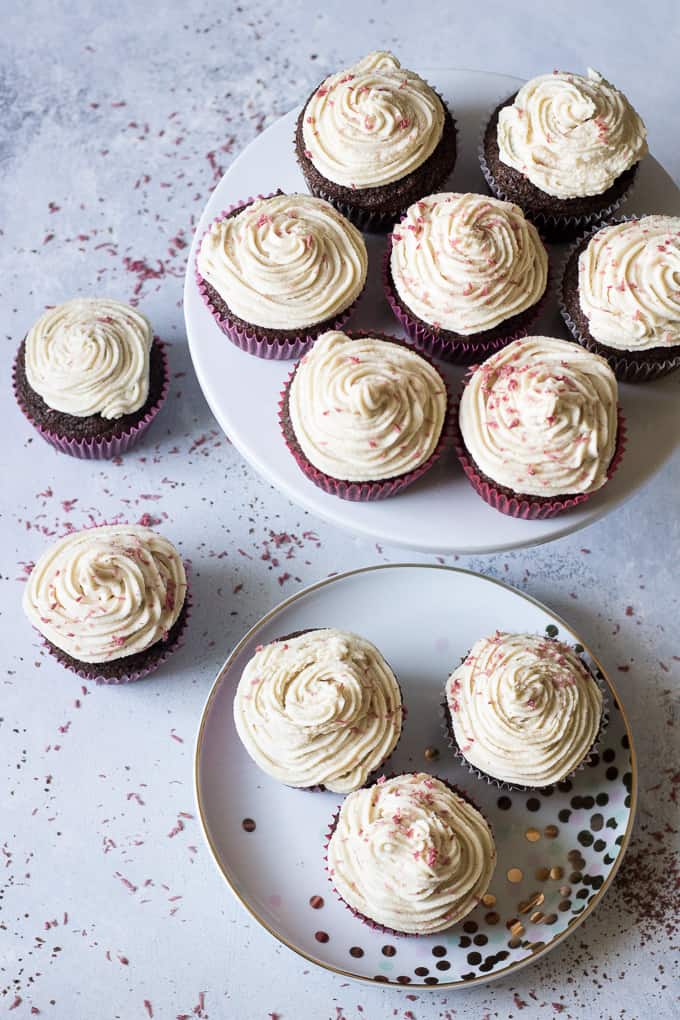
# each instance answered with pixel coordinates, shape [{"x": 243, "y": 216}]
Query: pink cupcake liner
[
  {"x": 592, "y": 755},
  {"x": 528, "y": 508},
  {"x": 247, "y": 338},
  {"x": 624, "y": 367},
  {"x": 368, "y": 921},
  {"x": 553, "y": 227},
  {"x": 99, "y": 448},
  {"x": 363, "y": 492},
  {"x": 463, "y": 351}
]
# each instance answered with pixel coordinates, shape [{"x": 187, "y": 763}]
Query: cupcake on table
[
  {"x": 523, "y": 710},
  {"x": 90, "y": 377},
  {"x": 621, "y": 295},
  {"x": 373, "y": 138},
  {"x": 565, "y": 148},
  {"x": 111, "y": 601},
  {"x": 410, "y": 854}
]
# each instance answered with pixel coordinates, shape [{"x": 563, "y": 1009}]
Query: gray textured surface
[{"x": 115, "y": 125}]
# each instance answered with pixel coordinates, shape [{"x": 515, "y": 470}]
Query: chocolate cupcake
[
  {"x": 410, "y": 855},
  {"x": 110, "y": 602},
  {"x": 565, "y": 148},
  {"x": 374, "y": 138},
  {"x": 364, "y": 415},
  {"x": 538, "y": 427},
  {"x": 523, "y": 711},
  {"x": 465, "y": 275},
  {"x": 320, "y": 710},
  {"x": 276, "y": 272},
  {"x": 90, "y": 377},
  {"x": 620, "y": 296}
]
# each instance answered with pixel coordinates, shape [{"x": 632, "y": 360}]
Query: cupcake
[
  {"x": 364, "y": 415},
  {"x": 621, "y": 299},
  {"x": 539, "y": 429},
  {"x": 523, "y": 710},
  {"x": 320, "y": 709},
  {"x": 110, "y": 602},
  {"x": 410, "y": 854},
  {"x": 565, "y": 148},
  {"x": 374, "y": 138},
  {"x": 90, "y": 377},
  {"x": 465, "y": 274},
  {"x": 276, "y": 272}
]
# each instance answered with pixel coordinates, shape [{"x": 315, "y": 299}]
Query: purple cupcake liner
[
  {"x": 99, "y": 447},
  {"x": 624, "y": 367},
  {"x": 555, "y": 228},
  {"x": 463, "y": 351},
  {"x": 247, "y": 338},
  {"x": 591, "y": 757},
  {"x": 521, "y": 505},
  {"x": 363, "y": 492}
]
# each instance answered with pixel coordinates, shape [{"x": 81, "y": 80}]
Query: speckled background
[{"x": 115, "y": 124}]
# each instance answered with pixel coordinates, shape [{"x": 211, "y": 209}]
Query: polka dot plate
[{"x": 558, "y": 850}]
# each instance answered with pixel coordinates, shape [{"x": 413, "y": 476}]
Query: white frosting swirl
[
  {"x": 466, "y": 262},
  {"x": 411, "y": 854},
  {"x": 366, "y": 409},
  {"x": 285, "y": 262},
  {"x": 524, "y": 708},
  {"x": 629, "y": 284},
  {"x": 571, "y": 136},
  {"x": 322, "y": 708},
  {"x": 372, "y": 123},
  {"x": 90, "y": 356},
  {"x": 106, "y": 593},
  {"x": 540, "y": 417}
]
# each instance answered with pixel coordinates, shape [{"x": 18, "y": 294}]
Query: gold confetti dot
[
  {"x": 533, "y": 835},
  {"x": 517, "y": 929},
  {"x": 489, "y": 900},
  {"x": 535, "y": 900},
  {"x": 549, "y": 918},
  {"x": 542, "y": 874},
  {"x": 431, "y": 753},
  {"x": 565, "y": 890},
  {"x": 556, "y": 873},
  {"x": 514, "y": 943},
  {"x": 536, "y": 917},
  {"x": 551, "y": 831},
  {"x": 515, "y": 875}
]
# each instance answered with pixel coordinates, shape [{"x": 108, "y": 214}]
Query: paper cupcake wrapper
[
  {"x": 505, "y": 787},
  {"x": 363, "y": 492},
  {"x": 378, "y": 221},
  {"x": 523, "y": 506},
  {"x": 368, "y": 921},
  {"x": 463, "y": 351},
  {"x": 247, "y": 338},
  {"x": 553, "y": 227},
  {"x": 624, "y": 367},
  {"x": 98, "y": 447}
]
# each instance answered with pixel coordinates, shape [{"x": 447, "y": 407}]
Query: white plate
[
  {"x": 423, "y": 619},
  {"x": 441, "y": 513}
]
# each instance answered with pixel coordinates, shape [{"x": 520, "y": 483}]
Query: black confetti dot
[
  {"x": 565, "y": 786},
  {"x": 439, "y": 951},
  {"x": 609, "y": 755},
  {"x": 625, "y": 742},
  {"x": 551, "y": 630},
  {"x": 585, "y": 838},
  {"x": 470, "y": 927},
  {"x": 431, "y": 981},
  {"x": 381, "y": 978},
  {"x": 576, "y": 802},
  {"x": 443, "y": 965},
  {"x": 599, "y": 845},
  {"x": 504, "y": 803},
  {"x": 533, "y": 804},
  {"x": 421, "y": 971},
  {"x": 474, "y": 958},
  {"x": 356, "y": 951},
  {"x": 602, "y": 799},
  {"x": 464, "y": 942},
  {"x": 321, "y": 936},
  {"x": 389, "y": 951},
  {"x": 588, "y": 803},
  {"x": 480, "y": 940},
  {"x": 248, "y": 825},
  {"x": 564, "y": 815},
  {"x": 612, "y": 773},
  {"x": 403, "y": 979},
  {"x": 596, "y": 822}
]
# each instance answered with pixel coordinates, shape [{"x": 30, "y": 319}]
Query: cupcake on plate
[
  {"x": 621, "y": 295},
  {"x": 364, "y": 415},
  {"x": 465, "y": 274},
  {"x": 410, "y": 854},
  {"x": 523, "y": 710},
  {"x": 320, "y": 709},
  {"x": 374, "y": 138},
  {"x": 110, "y": 602},
  {"x": 90, "y": 377},
  {"x": 276, "y": 272},
  {"x": 565, "y": 148},
  {"x": 539, "y": 429}
]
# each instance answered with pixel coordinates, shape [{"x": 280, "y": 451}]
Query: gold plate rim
[{"x": 442, "y": 985}]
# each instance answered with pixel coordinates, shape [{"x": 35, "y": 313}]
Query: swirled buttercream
[
  {"x": 570, "y": 135},
  {"x": 540, "y": 417},
  {"x": 524, "y": 708},
  {"x": 629, "y": 284},
  {"x": 320, "y": 708},
  {"x": 411, "y": 854},
  {"x": 107, "y": 592},
  {"x": 372, "y": 123},
  {"x": 285, "y": 262},
  {"x": 90, "y": 356},
  {"x": 466, "y": 262},
  {"x": 366, "y": 409}
]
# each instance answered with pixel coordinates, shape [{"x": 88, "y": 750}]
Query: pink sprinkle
[{"x": 148, "y": 1007}]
